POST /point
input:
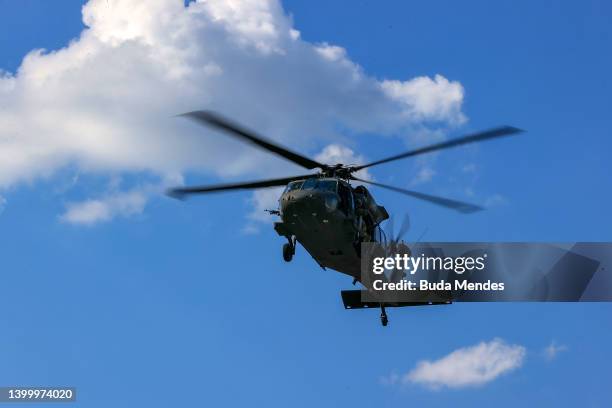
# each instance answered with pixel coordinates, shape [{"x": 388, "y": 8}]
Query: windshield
[
  {"x": 294, "y": 185},
  {"x": 320, "y": 184}
]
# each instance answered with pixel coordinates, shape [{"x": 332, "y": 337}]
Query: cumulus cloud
[
  {"x": 465, "y": 367},
  {"x": 92, "y": 211},
  {"x": 115, "y": 202},
  {"x": 262, "y": 200},
  {"x": 442, "y": 101},
  {"x": 105, "y": 102},
  {"x": 553, "y": 349},
  {"x": 336, "y": 153}
]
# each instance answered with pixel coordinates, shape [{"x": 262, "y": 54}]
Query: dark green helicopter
[{"x": 323, "y": 212}]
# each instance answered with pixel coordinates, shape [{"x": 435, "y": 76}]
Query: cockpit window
[
  {"x": 320, "y": 184},
  {"x": 327, "y": 185},
  {"x": 309, "y": 184},
  {"x": 294, "y": 185}
]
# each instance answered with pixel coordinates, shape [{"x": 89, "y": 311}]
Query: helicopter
[{"x": 324, "y": 212}]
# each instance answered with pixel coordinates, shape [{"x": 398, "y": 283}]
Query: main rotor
[{"x": 338, "y": 170}]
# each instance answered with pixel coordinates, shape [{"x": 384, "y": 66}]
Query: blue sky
[{"x": 176, "y": 305}]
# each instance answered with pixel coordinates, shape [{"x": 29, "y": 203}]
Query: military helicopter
[{"x": 322, "y": 211}]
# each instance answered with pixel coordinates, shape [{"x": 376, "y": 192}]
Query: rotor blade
[
  {"x": 475, "y": 137},
  {"x": 403, "y": 228},
  {"x": 219, "y": 122},
  {"x": 182, "y": 192},
  {"x": 391, "y": 228},
  {"x": 444, "y": 202}
]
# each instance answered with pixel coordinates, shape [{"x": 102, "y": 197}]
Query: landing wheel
[
  {"x": 288, "y": 251},
  {"x": 383, "y": 316}
]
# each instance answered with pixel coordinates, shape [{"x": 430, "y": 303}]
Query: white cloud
[
  {"x": 391, "y": 379},
  {"x": 262, "y": 200},
  {"x": 428, "y": 99},
  {"x": 553, "y": 349},
  {"x": 115, "y": 202},
  {"x": 336, "y": 153},
  {"x": 93, "y": 211},
  {"x": 250, "y": 228},
  {"x": 424, "y": 175},
  {"x": 468, "y": 366},
  {"x": 105, "y": 102},
  {"x": 495, "y": 200},
  {"x": 469, "y": 168}
]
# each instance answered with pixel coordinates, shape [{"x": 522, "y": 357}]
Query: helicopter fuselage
[{"x": 330, "y": 219}]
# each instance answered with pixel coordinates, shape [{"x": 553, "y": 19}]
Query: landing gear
[
  {"x": 383, "y": 316},
  {"x": 289, "y": 250}
]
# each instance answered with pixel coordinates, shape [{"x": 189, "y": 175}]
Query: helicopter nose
[{"x": 307, "y": 203}]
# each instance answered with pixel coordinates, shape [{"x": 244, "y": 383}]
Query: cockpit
[
  {"x": 326, "y": 185},
  {"x": 318, "y": 184}
]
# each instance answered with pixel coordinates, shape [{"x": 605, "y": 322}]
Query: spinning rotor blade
[
  {"x": 182, "y": 192},
  {"x": 444, "y": 202},
  {"x": 219, "y": 122},
  {"x": 390, "y": 228},
  {"x": 475, "y": 137},
  {"x": 404, "y": 227}
]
